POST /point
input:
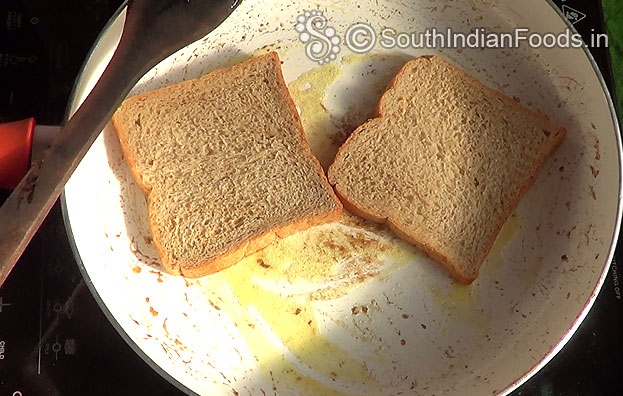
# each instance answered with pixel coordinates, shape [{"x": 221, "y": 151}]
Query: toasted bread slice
[
  {"x": 445, "y": 162},
  {"x": 225, "y": 165}
]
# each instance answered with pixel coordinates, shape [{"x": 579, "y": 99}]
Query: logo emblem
[{"x": 322, "y": 44}]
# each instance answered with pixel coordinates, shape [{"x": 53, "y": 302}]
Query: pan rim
[
  {"x": 512, "y": 386},
  {"x": 72, "y": 242},
  {"x": 613, "y": 242}
]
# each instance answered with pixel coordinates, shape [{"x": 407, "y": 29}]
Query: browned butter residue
[{"x": 282, "y": 285}]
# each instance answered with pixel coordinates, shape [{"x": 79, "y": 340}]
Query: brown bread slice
[
  {"x": 225, "y": 165},
  {"x": 445, "y": 162}
]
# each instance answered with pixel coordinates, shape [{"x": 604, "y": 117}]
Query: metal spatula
[{"x": 153, "y": 30}]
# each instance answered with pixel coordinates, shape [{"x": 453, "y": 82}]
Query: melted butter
[
  {"x": 458, "y": 300},
  {"x": 328, "y": 116},
  {"x": 274, "y": 295},
  {"x": 371, "y": 74},
  {"x": 309, "y": 93},
  {"x": 509, "y": 230}
]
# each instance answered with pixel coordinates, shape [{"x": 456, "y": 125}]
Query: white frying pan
[{"x": 347, "y": 308}]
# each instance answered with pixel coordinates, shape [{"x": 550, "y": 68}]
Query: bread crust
[
  {"x": 422, "y": 242},
  {"x": 245, "y": 248}
]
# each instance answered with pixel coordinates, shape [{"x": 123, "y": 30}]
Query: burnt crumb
[
  {"x": 147, "y": 240},
  {"x": 564, "y": 258},
  {"x": 334, "y": 246},
  {"x": 262, "y": 263},
  {"x": 597, "y": 153},
  {"x": 354, "y": 310},
  {"x": 561, "y": 169},
  {"x": 364, "y": 309},
  {"x": 214, "y": 305},
  {"x": 594, "y": 171},
  {"x": 298, "y": 311},
  {"x": 403, "y": 342},
  {"x": 406, "y": 316},
  {"x": 423, "y": 326}
]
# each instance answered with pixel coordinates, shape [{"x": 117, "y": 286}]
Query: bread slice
[
  {"x": 445, "y": 162},
  {"x": 225, "y": 165}
]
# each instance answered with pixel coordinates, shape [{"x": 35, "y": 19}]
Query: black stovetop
[{"x": 55, "y": 340}]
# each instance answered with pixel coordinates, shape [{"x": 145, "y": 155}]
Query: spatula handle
[
  {"x": 28, "y": 205},
  {"x": 153, "y": 30}
]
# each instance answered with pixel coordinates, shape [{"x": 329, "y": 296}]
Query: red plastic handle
[{"x": 15, "y": 151}]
